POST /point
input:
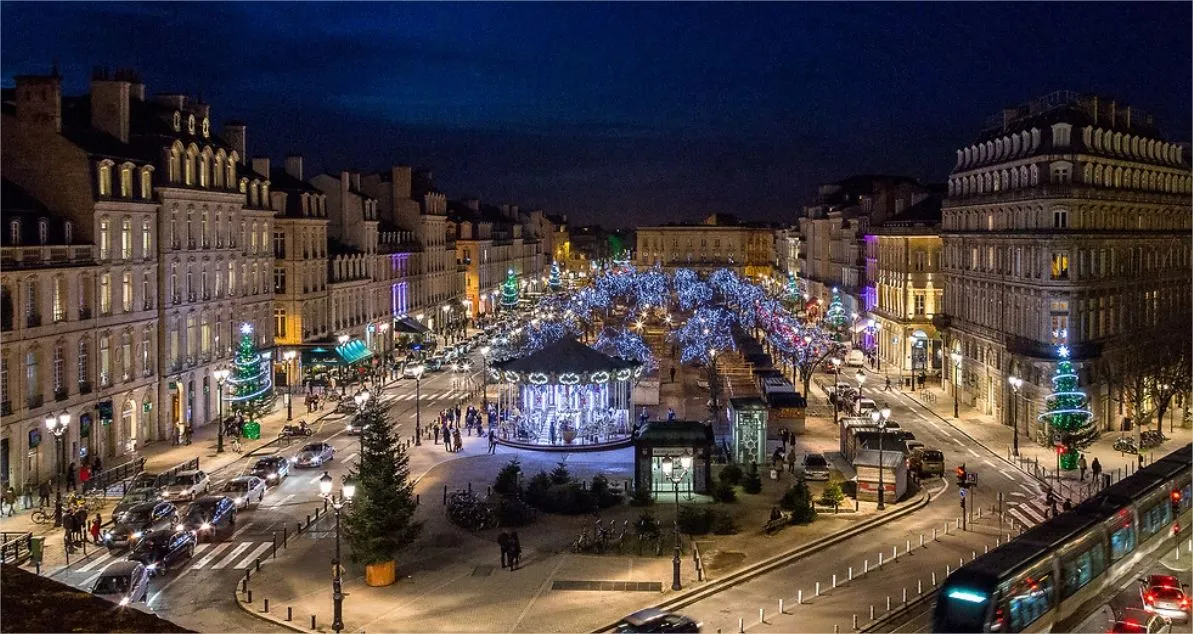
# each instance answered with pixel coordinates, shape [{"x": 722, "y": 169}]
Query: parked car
[
  {"x": 412, "y": 371},
  {"x": 435, "y": 363},
  {"x": 123, "y": 582},
  {"x": 139, "y": 522},
  {"x": 144, "y": 479},
  {"x": 160, "y": 551},
  {"x": 814, "y": 467},
  {"x": 346, "y": 406},
  {"x": 209, "y": 517},
  {"x": 245, "y": 490},
  {"x": 137, "y": 496},
  {"x": 1166, "y": 596},
  {"x": 656, "y": 620},
  {"x": 855, "y": 358},
  {"x": 186, "y": 485},
  {"x": 1136, "y": 621},
  {"x": 272, "y": 469},
  {"x": 926, "y": 462},
  {"x": 314, "y": 455}
]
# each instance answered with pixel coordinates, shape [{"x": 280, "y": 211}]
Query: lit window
[{"x": 1060, "y": 266}]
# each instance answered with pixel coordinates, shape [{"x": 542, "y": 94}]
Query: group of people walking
[{"x": 511, "y": 550}]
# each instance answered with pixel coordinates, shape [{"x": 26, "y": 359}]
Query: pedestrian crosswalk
[
  {"x": 1031, "y": 511},
  {"x": 208, "y": 556}
]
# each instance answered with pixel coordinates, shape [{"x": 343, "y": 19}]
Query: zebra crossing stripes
[
  {"x": 210, "y": 556},
  {"x": 1030, "y": 512},
  {"x": 223, "y": 563}
]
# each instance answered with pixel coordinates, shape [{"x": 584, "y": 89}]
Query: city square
[{"x": 276, "y": 365}]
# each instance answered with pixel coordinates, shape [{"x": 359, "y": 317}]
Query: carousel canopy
[{"x": 567, "y": 361}]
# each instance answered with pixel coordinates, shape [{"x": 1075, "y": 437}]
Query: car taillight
[
  {"x": 1149, "y": 598},
  {"x": 1185, "y": 602}
]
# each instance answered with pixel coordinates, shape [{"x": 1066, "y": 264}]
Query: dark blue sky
[{"x": 621, "y": 113}]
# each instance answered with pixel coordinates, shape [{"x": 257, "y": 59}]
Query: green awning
[{"x": 354, "y": 351}]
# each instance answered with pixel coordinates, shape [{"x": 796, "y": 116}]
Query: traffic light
[
  {"x": 961, "y": 476},
  {"x": 1176, "y": 501}
]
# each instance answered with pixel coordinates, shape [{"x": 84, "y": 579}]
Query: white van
[{"x": 855, "y": 358}]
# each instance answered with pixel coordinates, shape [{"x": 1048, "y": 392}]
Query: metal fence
[
  {"x": 14, "y": 547},
  {"x": 113, "y": 476}
]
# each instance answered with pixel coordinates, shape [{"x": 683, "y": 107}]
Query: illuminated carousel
[{"x": 565, "y": 396}]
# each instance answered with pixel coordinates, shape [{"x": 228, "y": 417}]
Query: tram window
[
  {"x": 1084, "y": 566},
  {"x": 1122, "y": 542},
  {"x": 1155, "y": 519},
  {"x": 1030, "y": 597}
]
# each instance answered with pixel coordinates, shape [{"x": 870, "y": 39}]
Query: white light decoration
[
  {"x": 246, "y": 328},
  {"x": 569, "y": 378},
  {"x": 623, "y": 375},
  {"x": 599, "y": 377},
  {"x": 538, "y": 378}
]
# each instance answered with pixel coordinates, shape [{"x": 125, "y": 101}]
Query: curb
[
  {"x": 779, "y": 561},
  {"x": 252, "y": 610},
  {"x": 966, "y": 434}
]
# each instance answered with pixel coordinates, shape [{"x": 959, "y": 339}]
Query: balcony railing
[
  {"x": 61, "y": 394},
  {"x": 45, "y": 256},
  {"x": 5, "y": 408},
  {"x": 32, "y": 320},
  {"x": 34, "y": 401},
  {"x": 84, "y": 387}
]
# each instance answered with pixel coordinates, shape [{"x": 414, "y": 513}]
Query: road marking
[
  {"x": 89, "y": 581},
  {"x": 975, "y": 454},
  {"x": 1006, "y": 475},
  {"x": 248, "y": 560},
  {"x": 1031, "y": 510},
  {"x": 241, "y": 530},
  {"x": 95, "y": 562},
  {"x": 1029, "y": 490},
  {"x": 1023, "y": 519},
  {"x": 282, "y": 502},
  {"x": 956, "y": 441},
  {"x": 170, "y": 583},
  {"x": 235, "y": 552},
  {"x": 212, "y": 555},
  {"x": 353, "y": 455}
]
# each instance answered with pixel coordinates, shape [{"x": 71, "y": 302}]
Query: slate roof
[
  {"x": 925, "y": 212},
  {"x": 280, "y": 180},
  {"x": 565, "y": 355},
  {"x": 16, "y": 203}
]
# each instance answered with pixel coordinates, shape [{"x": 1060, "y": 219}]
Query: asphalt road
[{"x": 197, "y": 594}]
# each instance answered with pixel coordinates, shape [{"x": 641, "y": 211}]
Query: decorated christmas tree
[
  {"x": 509, "y": 290},
  {"x": 553, "y": 281},
  {"x": 250, "y": 386},
  {"x": 1068, "y": 413},
  {"x": 835, "y": 316}
]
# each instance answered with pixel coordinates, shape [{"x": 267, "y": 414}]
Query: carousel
[{"x": 565, "y": 396}]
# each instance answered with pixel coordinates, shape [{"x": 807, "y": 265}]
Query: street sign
[
  {"x": 971, "y": 478},
  {"x": 963, "y": 492}
]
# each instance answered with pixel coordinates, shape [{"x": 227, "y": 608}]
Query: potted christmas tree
[
  {"x": 380, "y": 522},
  {"x": 251, "y": 384},
  {"x": 1068, "y": 414}
]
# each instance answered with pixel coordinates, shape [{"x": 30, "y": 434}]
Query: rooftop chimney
[
  {"x": 400, "y": 176},
  {"x": 39, "y": 101},
  {"x": 294, "y": 165},
  {"x": 234, "y": 133},
  {"x": 109, "y": 103}
]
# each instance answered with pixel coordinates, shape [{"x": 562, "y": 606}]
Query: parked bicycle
[{"x": 39, "y": 516}]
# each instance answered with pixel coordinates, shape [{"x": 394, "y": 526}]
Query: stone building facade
[
  {"x": 1067, "y": 221},
  {"x": 718, "y": 242},
  {"x": 491, "y": 241}
]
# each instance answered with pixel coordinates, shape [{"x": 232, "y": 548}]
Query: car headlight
[
  {"x": 178, "y": 527},
  {"x": 205, "y": 526},
  {"x": 294, "y": 460},
  {"x": 124, "y": 601},
  {"x": 137, "y": 535},
  {"x": 151, "y": 567},
  {"x": 240, "y": 500},
  {"x": 272, "y": 476}
]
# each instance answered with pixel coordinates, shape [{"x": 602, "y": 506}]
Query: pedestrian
[
  {"x": 1140, "y": 459},
  {"x": 95, "y": 524},
  {"x": 436, "y": 430},
  {"x": 791, "y": 460},
  {"x": 1097, "y": 468},
  {"x": 43, "y": 494},
  {"x": 776, "y": 459},
  {"x": 71, "y": 476},
  {"x": 68, "y": 529},
  {"x": 775, "y": 513},
  {"x": 1081, "y": 464},
  {"x": 10, "y": 500},
  {"x": 457, "y": 414},
  {"x": 503, "y": 541},
  {"x": 456, "y": 441},
  {"x": 28, "y": 496},
  {"x": 670, "y": 414},
  {"x": 515, "y": 551},
  {"x": 888, "y": 385},
  {"x": 84, "y": 475},
  {"x": 97, "y": 466},
  {"x": 492, "y": 441},
  {"x": 672, "y": 374},
  {"x": 447, "y": 439}
]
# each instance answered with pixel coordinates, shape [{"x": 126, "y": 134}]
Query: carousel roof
[{"x": 566, "y": 355}]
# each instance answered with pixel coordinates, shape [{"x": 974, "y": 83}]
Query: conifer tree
[{"x": 379, "y": 522}]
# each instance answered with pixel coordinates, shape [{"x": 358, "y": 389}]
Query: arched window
[
  {"x": 105, "y": 361},
  {"x": 59, "y": 299},
  {"x": 204, "y": 166},
  {"x": 43, "y": 231},
  {"x": 126, "y": 355},
  {"x": 126, "y": 181},
  {"x": 104, "y": 176},
  {"x": 146, "y": 183},
  {"x": 1098, "y": 174},
  {"x": 175, "y": 174},
  {"x": 14, "y": 233},
  {"x": 188, "y": 168},
  {"x": 218, "y": 170}
]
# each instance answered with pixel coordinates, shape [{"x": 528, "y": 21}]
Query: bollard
[
  {"x": 919, "y": 587},
  {"x": 907, "y": 548},
  {"x": 312, "y": 621},
  {"x": 741, "y": 626},
  {"x": 762, "y": 615},
  {"x": 275, "y": 544},
  {"x": 855, "y": 622},
  {"x": 258, "y": 564},
  {"x": 248, "y": 596},
  {"x": 946, "y": 528},
  {"x": 888, "y": 603},
  {"x": 781, "y": 607},
  {"x": 960, "y": 562},
  {"x": 933, "y": 578},
  {"x": 324, "y": 505},
  {"x": 865, "y": 566},
  {"x": 417, "y": 501},
  {"x": 894, "y": 553},
  {"x": 947, "y": 570},
  {"x": 308, "y": 520},
  {"x": 248, "y": 573},
  {"x": 244, "y": 585},
  {"x": 470, "y": 486},
  {"x": 297, "y": 528},
  {"x": 836, "y": 629},
  {"x": 986, "y": 550},
  {"x": 871, "y": 611},
  {"x": 851, "y": 573},
  {"x": 934, "y": 538},
  {"x": 285, "y": 535},
  {"x": 957, "y": 522},
  {"x": 266, "y": 605},
  {"x": 799, "y": 597},
  {"x": 817, "y": 589},
  {"x": 905, "y": 595},
  {"x": 921, "y": 540},
  {"x": 445, "y": 494},
  {"x": 834, "y": 581},
  {"x": 879, "y": 560},
  {"x": 289, "y": 613}
]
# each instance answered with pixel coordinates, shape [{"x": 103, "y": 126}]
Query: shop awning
[
  {"x": 354, "y": 351},
  {"x": 409, "y": 326}
]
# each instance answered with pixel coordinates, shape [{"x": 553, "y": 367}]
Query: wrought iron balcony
[{"x": 84, "y": 387}]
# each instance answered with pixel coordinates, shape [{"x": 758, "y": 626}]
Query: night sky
[{"x": 622, "y": 114}]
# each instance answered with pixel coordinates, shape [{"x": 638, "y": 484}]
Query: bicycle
[{"x": 41, "y": 517}]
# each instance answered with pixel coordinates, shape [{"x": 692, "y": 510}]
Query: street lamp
[
  {"x": 836, "y": 389},
  {"x": 860, "y": 377},
  {"x": 956, "y": 357},
  {"x": 289, "y": 357},
  {"x": 676, "y": 473},
  {"x": 221, "y": 376},
  {"x": 342, "y": 339},
  {"x": 57, "y": 426},
  {"x": 418, "y": 380},
  {"x": 1016, "y": 383},
  {"x": 337, "y": 502},
  {"x": 880, "y": 418}
]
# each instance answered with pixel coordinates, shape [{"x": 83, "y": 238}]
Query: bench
[{"x": 776, "y": 525}]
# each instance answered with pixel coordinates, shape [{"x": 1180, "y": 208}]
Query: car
[
  {"x": 139, "y": 522},
  {"x": 208, "y": 517},
  {"x": 1166, "y": 596},
  {"x": 137, "y": 496},
  {"x": 123, "y": 582},
  {"x": 244, "y": 490},
  {"x": 656, "y": 620},
  {"x": 412, "y": 371},
  {"x": 855, "y": 358},
  {"x": 1136, "y": 621},
  {"x": 314, "y": 455},
  {"x": 144, "y": 480},
  {"x": 926, "y": 462},
  {"x": 186, "y": 485},
  {"x": 272, "y": 469},
  {"x": 354, "y": 426},
  {"x": 814, "y": 467},
  {"x": 160, "y": 551},
  {"x": 435, "y": 363},
  {"x": 347, "y": 406}
]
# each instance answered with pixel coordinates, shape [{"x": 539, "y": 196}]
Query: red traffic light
[{"x": 1176, "y": 495}]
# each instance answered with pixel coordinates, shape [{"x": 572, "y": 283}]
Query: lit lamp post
[
  {"x": 860, "y": 377},
  {"x": 836, "y": 389},
  {"x": 485, "y": 379},
  {"x": 221, "y": 376},
  {"x": 337, "y": 501},
  {"x": 880, "y": 418},
  {"x": 447, "y": 311},
  {"x": 289, "y": 356},
  {"x": 956, "y": 357},
  {"x": 418, "y": 380},
  {"x": 676, "y": 473},
  {"x": 57, "y": 426},
  {"x": 1016, "y": 383}
]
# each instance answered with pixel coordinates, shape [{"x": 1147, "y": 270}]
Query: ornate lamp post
[
  {"x": 57, "y": 425},
  {"x": 1016, "y": 383},
  {"x": 337, "y": 501},
  {"x": 289, "y": 356},
  {"x": 221, "y": 376},
  {"x": 418, "y": 380},
  {"x": 956, "y": 357},
  {"x": 342, "y": 339},
  {"x": 676, "y": 473},
  {"x": 860, "y": 377},
  {"x": 880, "y": 418},
  {"x": 836, "y": 390}
]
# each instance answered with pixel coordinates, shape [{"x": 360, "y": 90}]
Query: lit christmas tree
[
  {"x": 553, "y": 279},
  {"x": 835, "y": 316},
  {"x": 1068, "y": 414},
  {"x": 509, "y": 290},
  {"x": 251, "y": 382}
]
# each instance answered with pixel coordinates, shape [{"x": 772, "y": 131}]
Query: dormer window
[
  {"x": 1061, "y": 133},
  {"x": 1062, "y": 172},
  {"x": 206, "y": 127},
  {"x": 105, "y": 179},
  {"x": 126, "y": 182},
  {"x": 190, "y": 124},
  {"x": 68, "y": 232},
  {"x": 43, "y": 231},
  {"x": 14, "y": 232},
  {"x": 177, "y": 121},
  {"x": 146, "y": 184}
]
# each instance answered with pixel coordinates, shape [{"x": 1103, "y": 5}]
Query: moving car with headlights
[
  {"x": 272, "y": 469},
  {"x": 354, "y": 426},
  {"x": 926, "y": 462},
  {"x": 1135, "y": 621},
  {"x": 814, "y": 467},
  {"x": 412, "y": 370},
  {"x": 245, "y": 490},
  {"x": 160, "y": 551},
  {"x": 210, "y": 516},
  {"x": 123, "y": 582},
  {"x": 435, "y": 363},
  {"x": 139, "y": 522},
  {"x": 656, "y": 620},
  {"x": 186, "y": 485},
  {"x": 1164, "y": 595},
  {"x": 314, "y": 455},
  {"x": 137, "y": 496}
]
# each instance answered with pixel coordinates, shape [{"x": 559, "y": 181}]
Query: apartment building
[{"x": 720, "y": 241}]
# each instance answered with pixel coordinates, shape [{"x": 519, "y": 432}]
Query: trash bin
[
  {"x": 37, "y": 546},
  {"x": 252, "y": 430}
]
